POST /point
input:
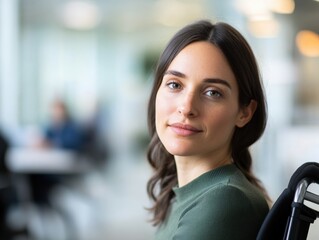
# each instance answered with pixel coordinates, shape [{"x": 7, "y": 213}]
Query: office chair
[{"x": 289, "y": 218}]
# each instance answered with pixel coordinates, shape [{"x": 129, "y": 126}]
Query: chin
[
  {"x": 178, "y": 147},
  {"x": 180, "y": 152}
]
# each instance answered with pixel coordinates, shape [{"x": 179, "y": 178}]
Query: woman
[{"x": 206, "y": 108}]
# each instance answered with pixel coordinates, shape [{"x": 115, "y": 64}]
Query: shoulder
[
  {"x": 222, "y": 200},
  {"x": 222, "y": 212}
]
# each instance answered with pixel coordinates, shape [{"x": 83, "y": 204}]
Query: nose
[{"x": 188, "y": 105}]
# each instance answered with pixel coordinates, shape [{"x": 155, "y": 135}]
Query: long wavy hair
[{"x": 244, "y": 66}]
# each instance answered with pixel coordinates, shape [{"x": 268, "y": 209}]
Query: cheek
[
  {"x": 223, "y": 119},
  {"x": 159, "y": 112},
  {"x": 163, "y": 108}
]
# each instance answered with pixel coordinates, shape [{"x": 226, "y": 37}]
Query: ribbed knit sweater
[{"x": 218, "y": 205}]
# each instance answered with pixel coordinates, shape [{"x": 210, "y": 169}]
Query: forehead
[{"x": 204, "y": 60}]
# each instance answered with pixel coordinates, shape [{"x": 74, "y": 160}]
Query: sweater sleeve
[{"x": 223, "y": 213}]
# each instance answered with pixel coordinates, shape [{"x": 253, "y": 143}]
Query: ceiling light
[
  {"x": 252, "y": 8},
  {"x": 308, "y": 43},
  {"x": 263, "y": 27},
  {"x": 80, "y": 15},
  {"x": 282, "y": 6}
]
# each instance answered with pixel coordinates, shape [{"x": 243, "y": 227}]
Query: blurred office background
[{"x": 98, "y": 56}]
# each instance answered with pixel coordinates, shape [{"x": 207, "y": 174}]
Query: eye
[
  {"x": 173, "y": 85},
  {"x": 213, "y": 93}
]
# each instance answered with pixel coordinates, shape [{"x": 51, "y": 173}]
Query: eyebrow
[
  {"x": 206, "y": 80},
  {"x": 175, "y": 73}
]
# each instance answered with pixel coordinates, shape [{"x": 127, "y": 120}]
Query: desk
[
  {"x": 26, "y": 164},
  {"x": 55, "y": 161}
]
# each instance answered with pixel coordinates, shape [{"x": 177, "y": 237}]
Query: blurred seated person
[{"x": 62, "y": 132}]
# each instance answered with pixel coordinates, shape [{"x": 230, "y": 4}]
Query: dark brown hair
[{"x": 244, "y": 66}]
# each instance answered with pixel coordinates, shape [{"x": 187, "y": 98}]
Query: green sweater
[{"x": 218, "y": 205}]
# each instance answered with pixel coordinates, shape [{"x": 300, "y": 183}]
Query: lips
[{"x": 184, "y": 129}]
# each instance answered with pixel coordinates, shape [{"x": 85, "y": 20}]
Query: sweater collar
[{"x": 204, "y": 181}]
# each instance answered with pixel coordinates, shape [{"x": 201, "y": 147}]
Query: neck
[{"x": 189, "y": 168}]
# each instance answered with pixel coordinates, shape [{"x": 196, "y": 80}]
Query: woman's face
[{"x": 197, "y": 109}]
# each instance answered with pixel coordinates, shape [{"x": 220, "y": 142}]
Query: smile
[{"x": 184, "y": 129}]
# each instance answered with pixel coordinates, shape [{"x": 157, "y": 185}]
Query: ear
[{"x": 246, "y": 113}]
